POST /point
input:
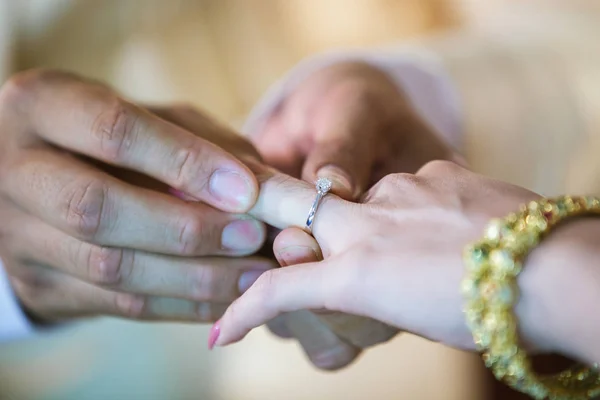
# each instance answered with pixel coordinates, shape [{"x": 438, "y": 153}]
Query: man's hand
[
  {"x": 86, "y": 224},
  {"x": 351, "y": 123}
]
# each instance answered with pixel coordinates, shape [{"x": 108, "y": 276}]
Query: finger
[
  {"x": 324, "y": 347},
  {"x": 279, "y": 328},
  {"x": 279, "y": 324},
  {"x": 52, "y": 296},
  {"x": 285, "y": 202},
  {"x": 295, "y": 246},
  {"x": 346, "y": 137},
  {"x": 203, "y": 279},
  {"x": 101, "y": 125},
  {"x": 278, "y": 147},
  {"x": 282, "y": 290},
  {"x": 95, "y": 207},
  {"x": 202, "y": 125}
]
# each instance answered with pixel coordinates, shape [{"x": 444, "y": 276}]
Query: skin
[
  {"x": 351, "y": 123},
  {"x": 398, "y": 261},
  {"x": 88, "y": 226},
  {"x": 69, "y": 147},
  {"x": 73, "y": 266}
]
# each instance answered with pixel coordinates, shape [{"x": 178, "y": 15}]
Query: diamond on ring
[{"x": 323, "y": 186}]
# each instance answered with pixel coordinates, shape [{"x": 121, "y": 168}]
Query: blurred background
[{"x": 220, "y": 55}]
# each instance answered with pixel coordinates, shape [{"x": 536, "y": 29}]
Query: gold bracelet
[{"x": 490, "y": 288}]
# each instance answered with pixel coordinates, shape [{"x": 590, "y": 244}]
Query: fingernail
[
  {"x": 332, "y": 359},
  {"x": 340, "y": 179},
  {"x": 231, "y": 189},
  {"x": 297, "y": 255},
  {"x": 243, "y": 235},
  {"x": 247, "y": 279},
  {"x": 213, "y": 336}
]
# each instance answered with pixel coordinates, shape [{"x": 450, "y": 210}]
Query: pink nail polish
[{"x": 214, "y": 335}]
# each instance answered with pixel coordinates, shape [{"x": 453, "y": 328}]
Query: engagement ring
[{"x": 323, "y": 186}]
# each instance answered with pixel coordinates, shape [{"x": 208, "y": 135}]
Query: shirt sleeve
[
  {"x": 417, "y": 72},
  {"x": 14, "y": 324}
]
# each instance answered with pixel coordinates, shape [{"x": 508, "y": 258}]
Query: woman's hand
[
  {"x": 351, "y": 123},
  {"x": 396, "y": 258}
]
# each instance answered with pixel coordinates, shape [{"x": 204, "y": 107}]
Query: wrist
[{"x": 560, "y": 288}]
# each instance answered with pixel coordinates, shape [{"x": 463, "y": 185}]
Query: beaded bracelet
[{"x": 490, "y": 288}]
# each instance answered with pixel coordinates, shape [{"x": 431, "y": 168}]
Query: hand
[
  {"x": 87, "y": 225},
  {"x": 322, "y": 346},
  {"x": 75, "y": 263},
  {"x": 396, "y": 258},
  {"x": 351, "y": 123}
]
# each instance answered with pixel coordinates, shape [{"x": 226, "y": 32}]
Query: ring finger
[{"x": 201, "y": 279}]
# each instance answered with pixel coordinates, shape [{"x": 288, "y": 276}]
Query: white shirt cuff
[
  {"x": 417, "y": 72},
  {"x": 14, "y": 324}
]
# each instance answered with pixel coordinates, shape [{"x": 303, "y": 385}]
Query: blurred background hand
[{"x": 351, "y": 123}]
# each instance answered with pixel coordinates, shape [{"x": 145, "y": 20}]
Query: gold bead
[
  {"x": 469, "y": 287},
  {"x": 493, "y": 230},
  {"x": 536, "y": 222},
  {"x": 501, "y": 261},
  {"x": 533, "y": 206},
  {"x": 476, "y": 257}
]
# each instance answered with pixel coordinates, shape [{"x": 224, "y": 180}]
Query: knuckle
[
  {"x": 84, "y": 208},
  {"x": 31, "y": 286},
  {"x": 395, "y": 183},
  {"x": 193, "y": 236},
  {"x": 130, "y": 306},
  {"x": 104, "y": 265},
  {"x": 115, "y": 128},
  {"x": 190, "y": 164},
  {"x": 20, "y": 89},
  {"x": 206, "y": 285},
  {"x": 400, "y": 180}
]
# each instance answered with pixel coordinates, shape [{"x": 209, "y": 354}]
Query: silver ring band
[{"x": 323, "y": 186}]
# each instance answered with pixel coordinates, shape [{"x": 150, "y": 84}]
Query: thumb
[
  {"x": 346, "y": 140},
  {"x": 294, "y": 246},
  {"x": 322, "y": 346},
  {"x": 349, "y": 169}
]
